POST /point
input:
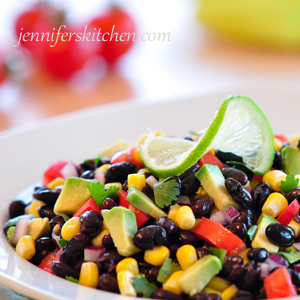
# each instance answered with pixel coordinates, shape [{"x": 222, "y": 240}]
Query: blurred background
[{"x": 209, "y": 44}]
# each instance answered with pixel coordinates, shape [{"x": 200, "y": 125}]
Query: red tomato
[
  {"x": 288, "y": 214},
  {"x": 53, "y": 171},
  {"x": 283, "y": 138},
  {"x": 49, "y": 259},
  {"x": 3, "y": 69},
  {"x": 89, "y": 205},
  {"x": 129, "y": 155},
  {"x": 210, "y": 159},
  {"x": 113, "y": 49}
]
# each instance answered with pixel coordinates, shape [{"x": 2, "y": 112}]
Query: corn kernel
[
  {"x": 157, "y": 255},
  {"x": 97, "y": 240},
  {"x": 143, "y": 137},
  {"x": 138, "y": 180},
  {"x": 275, "y": 204},
  {"x": 26, "y": 247},
  {"x": 210, "y": 290},
  {"x": 218, "y": 284},
  {"x": 89, "y": 275},
  {"x": 274, "y": 178},
  {"x": 116, "y": 184},
  {"x": 277, "y": 144},
  {"x": 186, "y": 256},
  {"x": 243, "y": 254},
  {"x": 295, "y": 226},
  {"x": 173, "y": 211},
  {"x": 34, "y": 207},
  {"x": 213, "y": 151},
  {"x": 56, "y": 182},
  {"x": 185, "y": 218},
  {"x": 129, "y": 264},
  {"x": 294, "y": 140},
  {"x": 201, "y": 192},
  {"x": 70, "y": 228},
  {"x": 253, "y": 183},
  {"x": 143, "y": 170},
  {"x": 102, "y": 168},
  {"x": 172, "y": 283},
  {"x": 125, "y": 285},
  {"x": 228, "y": 293}
]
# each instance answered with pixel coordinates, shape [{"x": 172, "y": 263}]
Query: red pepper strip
[
  {"x": 128, "y": 156},
  {"x": 258, "y": 178},
  {"x": 49, "y": 259},
  {"x": 283, "y": 138},
  {"x": 288, "y": 214},
  {"x": 210, "y": 159},
  {"x": 141, "y": 217},
  {"x": 89, "y": 205},
  {"x": 53, "y": 171},
  {"x": 219, "y": 236},
  {"x": 279, "y": 284}
]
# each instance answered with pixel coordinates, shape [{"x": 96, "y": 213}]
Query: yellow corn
[
  {"x": 274, "y": 178},
  {"x": 218, "y": 284},
  {"x": 253, "y": 183},
  {"x": 228, "y": 293},
  {"x": 138, "y": 180},
  {"x": 102, "y": 168},
  {"x": 294, "y": 140},
  {"x": 128, "y": 264},
  {"x": 298, "y": 177},
  {"x": 26, "y": 247},
  {"x": 97, "y": 240},
  {"x": 277, "y": 144},
  {"x": 157, "y": 255},
  {"x": 125, "y": 285},
  {"x": 116, "y": 184},
  {"x": 173, "y": 211},
  {"x": 185, "y": 218},
  {"x": 201, "y": 192},
  {"x": 210, "y": 290},
  {"x": 143, "y": 170},
  {"x": 275, "y": 204},
  {"x": 186, "y": 256},
  {"x": 243, "y": 254},
  {"x": 143, "y": 137},
  {"x": 34, "y": 206},
  {"x": 56, "y": 182},
  {"x": 172, "y": 283},
  {"x": 295, "y": 226},
  {"x": 89, "y": 275},
  {"x": 70, "y": 228}
]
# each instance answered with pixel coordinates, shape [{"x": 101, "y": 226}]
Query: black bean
[
  {"x": 204, "y": 296},
  {"x": 184, "y": 237},
  {"x": 296, "y": 218},
  {"x": 164, "y": 294},
  {"x": 107, "y": 242},
  {"x": 46, "y": 211},
  {"x": 62, "y": 269},
  {"x": 107, "y": 282},
  {"x": 280, "y": 235},
  {"x": 201, "y": 252},
  {"x": 236, "y": 174},
  {"x": 169, "y": 225},
  {"x": 189, "y": 171},
  {"x": 239, "y": 229},
  {"x": 77, "y": 266},
  {"x": 46, "y": 195},
  {"x": 243, "y": 295},
  {"x": 202, "y": 206},
  {"x": 87, "y": 165},
  {"x": 189, "y": 185},
  {"x": 295, "y": 277},
  {"x": 119, "y": 172},
  {"x": 108, "y": 260},
  {"x": 173, "y": 249},
  {"x": 152, "y": 273},
  {"x": 43, "y": 246},
  {"x": 183, "y": 200},
  {"x": 227, "y": 156},
  {"x": 88, "y": 174},
  {"x": 91, "y": 223},
  {"x": 102, "y": 161},
  {"x": 148, "y": 191},
  {"x": 144, "y": 267},
  {"x": 238, "y": 193},
  {"x": 258, "y": 254},
  {"x": 250, "y": 213},
  {"x": 260, "y": 194},
  {"x": 277, "y": 162},
  {"x": 59, "y": 219},
  {"x": 233, "y": 268},
  {"x": 250, "y": 281},
  {"x": 108, "y": 203},
  {"x": 16, "y": 208},
  {"x": 292, "y": 195},
  {"x": 246, "y": 219}
]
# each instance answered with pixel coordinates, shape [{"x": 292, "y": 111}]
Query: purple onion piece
[
  {"x": 265, "y": 270},
  {"x": 21, "y": 229},
  {"x": 275, "y": 260},
  {"x": 219, "y": 217},
  {"x": 92, "y": 253},
  {"x": 100, "y": 176},
  {"x": 231, "y": 213},
  {"x": 69, "y": 170}
]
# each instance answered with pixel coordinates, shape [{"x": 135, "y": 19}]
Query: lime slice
[{"x": 239, "y": 127}]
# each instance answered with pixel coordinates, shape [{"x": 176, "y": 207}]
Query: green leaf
[
  {"x": 220, "y": 253},
  {"x": 111, "y": 192},
  {"x": 165, "y": 191},
  {"x": 251, "y": 232},
  {"x": 142, "y": 285},
  {"x": 70, "y": 278},
  {"x": 62, "y": 242},
  {"x": 292, "y": 257},
  {"x": 166, "y": 270},
  {"x": 96, "y": 160},
  {"x": 289, "y": 183}
]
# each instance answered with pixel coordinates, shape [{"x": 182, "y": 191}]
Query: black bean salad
[{"x": 216, "y": 231}]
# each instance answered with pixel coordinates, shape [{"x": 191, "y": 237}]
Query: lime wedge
[{"x": 239, "y": 127}]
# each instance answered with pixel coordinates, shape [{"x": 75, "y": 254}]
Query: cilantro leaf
[
  {"x": 289, "y": 183},
  {"x": 62, "y": 242},
  {"x": 165, "y": 191},
  {"x": 99, "y": 193},
  {"x": 220, "y": 253},
  {"x": 70, "y": 278},
  {"x": 166, "y": 270},
  {"x": 142, "y": 285}
]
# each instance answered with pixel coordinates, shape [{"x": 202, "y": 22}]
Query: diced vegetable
[
  {"x": 89, "y": 205},
  {"x": 49, "y": 259},
  {"x": 210, "y": 159},
  {"x": 53, "y": 171},
  {"x": 287, "y": 215}
]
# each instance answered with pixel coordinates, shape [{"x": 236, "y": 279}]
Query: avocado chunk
[
  {"x": 291, "y": 160},
  {"x": 139, "y": 200},
  {"x": 119, "y": 145},
  {"x": 260, "y": 239},
  {"x": 213, "y": 181},
  {"x": 121, "y": 223},
  {"x": 39, "y": 227},
  {"x": 73, "y": 195},
  {"x": 194, "y": 279}
]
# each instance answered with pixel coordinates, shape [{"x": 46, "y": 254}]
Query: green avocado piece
[
  {"x": 139, "y": 200},
  {"x": 213, "y": 181},
  {"x": 194, "y": 279},
  {"x": 121, "y": 223},
  {"x": 73, "y": 195},
  {"x": 291, "y": 160},
  {"x": 260, "y": 239},
  {"x": 119, "y": 145},
  {"x": 39, "y": 227}
]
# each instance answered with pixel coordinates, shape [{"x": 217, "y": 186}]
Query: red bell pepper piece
[
  {"x": 219, "y": 236},
  {"x": 141, "y": 217},
  {"x": 89, "y": 205},
  {"x": 288, "y": 214},
  {"x": 49, "y": 259},
  {"x": 210, "y": 159},
  {"x": 279, "y": 284},
  {"x": 283, "y": 138},
  {"x": 258, "y": 178},
  {"x": 53, "y": 171},
  {"x": 128, "y": 155}
]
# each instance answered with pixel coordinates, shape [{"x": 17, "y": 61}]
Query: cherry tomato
[
  {"x": 112, "y": 50},
  {"x": 3, "y": 69},
  {"x": 130, "y": 155},
  {"x": 53, "y": 171}
]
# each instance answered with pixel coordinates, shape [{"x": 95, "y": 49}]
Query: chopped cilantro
[
  {"x": 167, "y": 269},
  {"x": 165, "y": 191},
  {"x": 142, "y": 285},
  {"x": 220, "y": 253},
  {"x": 292, "y": 257},
  {"x": 289, "y": 183},
  {"x": 251, "y": 232},
  {"x": 70, "y": 278},
  {"x": 62, "y": 242},
  {"x": 96, "y": 160},
  {"x": 99, "y": 193}
]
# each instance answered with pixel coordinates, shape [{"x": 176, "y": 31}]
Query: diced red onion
[
  {"x": 297, "y": 246},
  {"x": 219, "y": 217},
  {"x": 92, "y": 253},
  {"x": 297, "y": 268},
  {"x": 100, "y": 176},
  {"x": 56, "y": 237},
  {"x": 230, "y": 214},
  {"x": 21, "y": 229},
  {"x": 275, "y": 260},
  {"x": 69, "y": 170},
  {"x": 265, "y": 270},
  {"x": 151, "y": 180}
]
